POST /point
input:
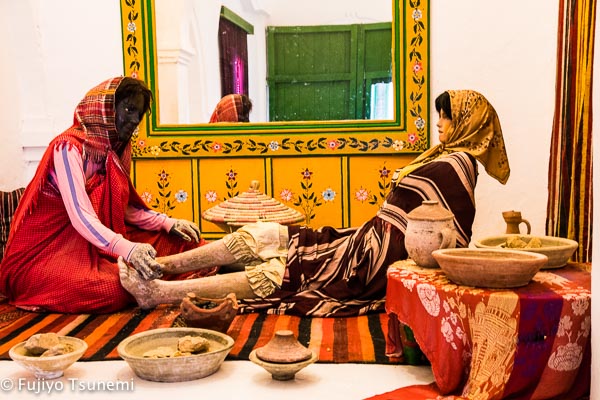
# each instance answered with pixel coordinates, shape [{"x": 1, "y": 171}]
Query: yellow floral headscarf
[{"x": 475, "y": 129}]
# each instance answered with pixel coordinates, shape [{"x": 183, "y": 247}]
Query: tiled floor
[{"x": 238, "y": 380}]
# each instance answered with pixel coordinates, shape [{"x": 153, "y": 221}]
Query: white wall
[
  {"x": 494, "y": 48},
  {"x": 51, "y": 52}
]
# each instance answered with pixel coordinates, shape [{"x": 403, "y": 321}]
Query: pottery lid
[
  {"x": 430, "y": 210},
  {"x": 252, "y": 206}
]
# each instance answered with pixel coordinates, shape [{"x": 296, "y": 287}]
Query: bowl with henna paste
[
  {"x": 48, "y": 355},
  {"x": 175, "y": 354}
]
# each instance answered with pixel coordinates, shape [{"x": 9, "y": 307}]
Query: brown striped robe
[{"x": 342, "y": 272}]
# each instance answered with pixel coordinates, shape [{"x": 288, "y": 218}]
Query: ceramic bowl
[
  {"x": 49, "y": 367},
  {"x": 209, "y": 313},
  {"x": 490, "y": 268},
  {"x": 282, "y": 371},
  {"x": 174, "y": 369},
  {"x": 558, "y": 250}
]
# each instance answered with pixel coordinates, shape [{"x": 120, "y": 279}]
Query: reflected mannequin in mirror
[
  {"x": 81, "y": 212},
  {"x": 232, "y": 108},
  {"x": 328, "y": 272}
]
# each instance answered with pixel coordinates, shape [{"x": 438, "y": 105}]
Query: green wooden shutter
[{"x": 320, "y": 72}]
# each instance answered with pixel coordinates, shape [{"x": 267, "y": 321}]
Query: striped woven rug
[{"x": 336, "y": 340}]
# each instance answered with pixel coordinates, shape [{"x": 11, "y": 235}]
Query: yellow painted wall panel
[
  {"x": 167, "y": 186},
  {"x": 313, "y": 186},
  {"x": 369, "y": 182}
]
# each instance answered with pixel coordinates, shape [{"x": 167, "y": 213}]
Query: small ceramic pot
[
  {"x": 215, "y": 314},
  {"x": 283, "y": 356},
  {"x": 430, "y": 227},
  {"x": 283, "y": 348}
]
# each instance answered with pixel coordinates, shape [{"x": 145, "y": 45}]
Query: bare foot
[{"x": 141, "y": 289}]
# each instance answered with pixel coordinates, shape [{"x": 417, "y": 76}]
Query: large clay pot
[{"x": 430, "y": 227}]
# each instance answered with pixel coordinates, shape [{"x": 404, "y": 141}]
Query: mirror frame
[{"x": 407, "y": 133}]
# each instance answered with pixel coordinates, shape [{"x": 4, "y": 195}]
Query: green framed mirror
[{"x": 403, "y": 130}]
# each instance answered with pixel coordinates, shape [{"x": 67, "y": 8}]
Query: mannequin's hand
[
  {"x": 186, "y": 230},
  {"x": 142, "y": 260}
]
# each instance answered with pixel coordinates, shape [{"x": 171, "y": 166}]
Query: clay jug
[
  {"x": 430, "y": 227},
  {"x": 513, "y": 220}
]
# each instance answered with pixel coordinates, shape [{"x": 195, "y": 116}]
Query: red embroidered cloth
[{"x": 524, "y": 343}]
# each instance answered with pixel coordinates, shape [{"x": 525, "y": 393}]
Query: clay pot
[
  {"x": 283, "y": 348},
  {"x": 283, "y": 356},
  {"x": 430, "y": 227},
  {"x": 215, "y": 314}
]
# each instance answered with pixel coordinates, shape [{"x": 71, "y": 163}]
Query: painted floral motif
[
  {"x": 211, "y": 196},
  {"x": 332, "y": 144},
  {"x": 274, "y": 145},
  {"x": 328, "y": 195},
  {"x": 361, "y": 194},
  {"x": 307, "y": 200},
  {"x": 147, "y": 197},
  {"x": 166, "y": 200},
  {"x": 131, "y": 39},
  {"x": 181, "y": 196},
  {"x": 384, "y": 183},
  {"x": 398, "y": 145},
  {"x": 286, "y": 195},
  {"x": 418, "y": 78},
  {"x": 231, "y": 184}
]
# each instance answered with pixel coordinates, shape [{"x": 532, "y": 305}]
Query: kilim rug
[{"x": 336, "y": 340}]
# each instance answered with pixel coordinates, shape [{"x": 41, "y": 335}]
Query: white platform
[{"x": 237, "y": 380}]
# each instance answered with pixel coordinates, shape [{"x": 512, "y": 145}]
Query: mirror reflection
[{"x": 295, "y": 61}]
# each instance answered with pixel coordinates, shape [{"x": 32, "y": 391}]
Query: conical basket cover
[{"x": 252, "y": 206}]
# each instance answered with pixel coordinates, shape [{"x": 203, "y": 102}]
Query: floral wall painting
[
  {"x": 307, "y": 199},
  {"x": 166, "y": 187},
  {"x": 376, "y": 197},
  {"x": 311, "y": 186},
  {"x": 369, "y": 182}
]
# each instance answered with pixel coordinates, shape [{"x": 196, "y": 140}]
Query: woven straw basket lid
[{"x": 251, "y": 206}]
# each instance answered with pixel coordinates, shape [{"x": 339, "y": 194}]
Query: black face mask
[{"x": 128, "y": 114}]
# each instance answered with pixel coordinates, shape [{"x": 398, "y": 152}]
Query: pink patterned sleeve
[
  {"x": 148, "y": 219},
  {"x": 70, "y": 179}
]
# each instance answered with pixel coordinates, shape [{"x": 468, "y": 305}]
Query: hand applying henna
[
  {"x": 142, "y": 259},
  {"x": 186, "y": 230}
]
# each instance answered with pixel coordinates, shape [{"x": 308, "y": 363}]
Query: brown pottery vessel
[{"x": 207, "y": 313}]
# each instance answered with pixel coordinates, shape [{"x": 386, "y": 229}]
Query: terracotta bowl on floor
[
  {"x": 175, "y": 368},
  {"x": 49, "y": 367},
  {"x": 209, "y": 313},
  {"x": 558, "y": 250},
  {"x": 490, "y": 268}
]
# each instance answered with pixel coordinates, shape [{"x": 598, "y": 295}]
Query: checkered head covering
[{"x": 95, "y": 115}]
